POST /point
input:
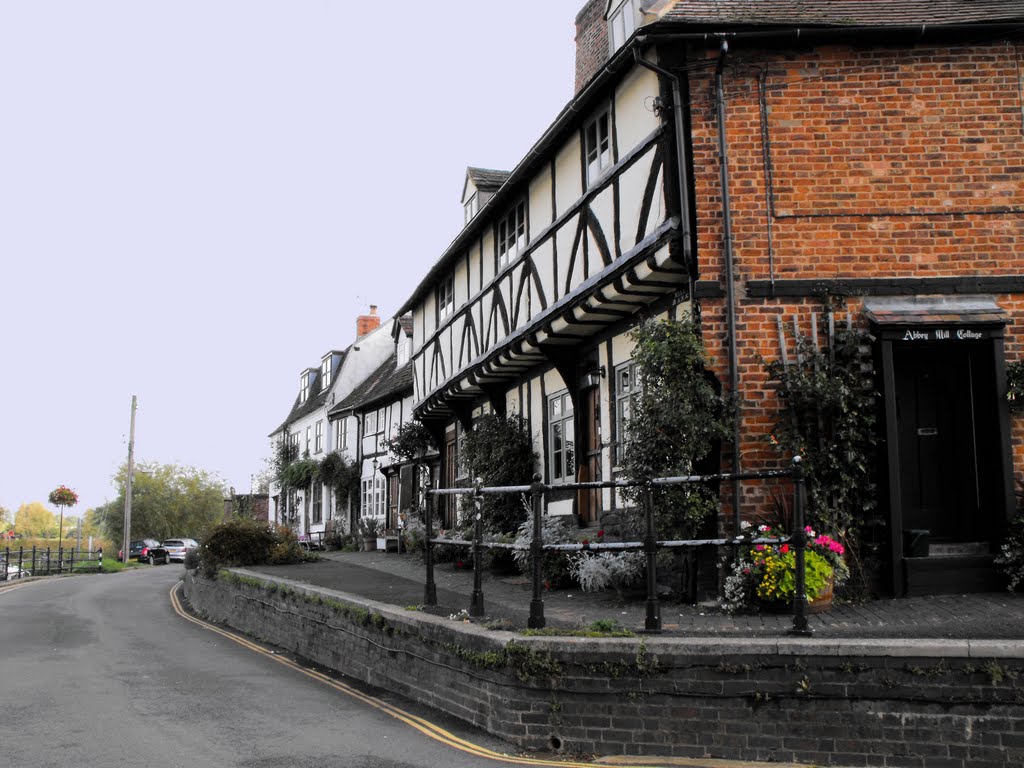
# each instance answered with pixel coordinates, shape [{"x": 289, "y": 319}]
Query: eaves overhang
[{"x": 648, "y": 272}]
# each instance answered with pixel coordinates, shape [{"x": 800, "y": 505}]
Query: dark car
[{"x": 149, "y": 550}]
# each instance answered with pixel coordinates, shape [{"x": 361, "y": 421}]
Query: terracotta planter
[
  {"x": 369, "y": 544},
  {"x": 823, "y": 601}
]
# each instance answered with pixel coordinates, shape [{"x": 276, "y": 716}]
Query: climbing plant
[
  {"x": 676, "y": 419},
  {"x": 500, "y": 452}
]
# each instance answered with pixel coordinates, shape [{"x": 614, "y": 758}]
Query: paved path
[{"x": 399, "y": 579}]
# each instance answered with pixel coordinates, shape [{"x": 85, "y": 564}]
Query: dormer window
[
  {"x": 598, "y": 145},
  {"x": 304, "y": 387},
  {"x": 326, "y": 370},
  {"x": 402, "y": 350},
  {"x": 511, "y": 234},
  {"x": 445, "y": 296},
  {"x": 472, "y": 207},
  {"x": 622, "y": 21}
]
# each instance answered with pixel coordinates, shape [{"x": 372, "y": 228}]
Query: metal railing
[
  {"x": 21, "y": 562},
  {"x": 650, "y": 544}
]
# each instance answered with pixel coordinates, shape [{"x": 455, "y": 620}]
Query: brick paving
[{"x": 399, "y": 580}]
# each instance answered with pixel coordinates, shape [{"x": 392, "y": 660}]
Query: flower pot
[
  {"x": 368, "y": 544},
  {"x": 823, "y": 601}
]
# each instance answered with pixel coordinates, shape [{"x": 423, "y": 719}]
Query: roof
[
  {"x": 934, "y": 310},
  {"x": 316, "y": 397},
  {"x": 387, "y": 383},
  {"x": 487, "y": 179},
  {"x": 841, "y": 12}
]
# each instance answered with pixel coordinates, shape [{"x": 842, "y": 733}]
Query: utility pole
[{"x": 128, "y": 485}]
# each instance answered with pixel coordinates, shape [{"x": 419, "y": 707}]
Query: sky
[{"x": 199, "y": 197}]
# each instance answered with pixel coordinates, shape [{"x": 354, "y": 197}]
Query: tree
[
  {"x": 5, "y": 519},
  {"x": 167, "y": 500},
  {"x": 33, "y": 519},
  {"x": 500, "y": 452}
]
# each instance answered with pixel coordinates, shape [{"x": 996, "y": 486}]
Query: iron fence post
[
  {"x": 33, "y": 558},
  {"x": 99, "y": 560},
  {"x": 799, "y": 541},
  {"x": 21, "y": 557},
  {"x": 476, "y": 603},
  {"x": 536, "y": 620},
  {"x": 7, "y": 561},
  {"x": 430, "y": 588},
  {"x": 653, "y": 620}
]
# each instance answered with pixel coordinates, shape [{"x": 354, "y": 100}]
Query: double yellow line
[{"x": 418, "y": 723}]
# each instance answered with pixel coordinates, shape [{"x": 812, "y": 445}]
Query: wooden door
[{"x": 589, "y": 469}]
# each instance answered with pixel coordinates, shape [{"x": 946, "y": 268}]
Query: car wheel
[{"x": 152, "y": 560}]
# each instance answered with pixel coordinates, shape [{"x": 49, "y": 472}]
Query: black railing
[
  {"x": 21, "y": 562},
  {"x": 650, "y": 544}
]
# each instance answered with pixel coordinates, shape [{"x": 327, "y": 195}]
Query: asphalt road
[{"x": 99, "y": 671}]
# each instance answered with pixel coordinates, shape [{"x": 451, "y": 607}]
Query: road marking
[
  {"x": 414, "y": 721},
  {"x": 9, "y": 587}
]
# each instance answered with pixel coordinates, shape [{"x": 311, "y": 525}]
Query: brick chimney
[
  {"x": 591, "y": 41},
  {"x": 367, "y": 323}
]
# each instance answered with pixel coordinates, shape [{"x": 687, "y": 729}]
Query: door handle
[{"x": 927, "y": 431}]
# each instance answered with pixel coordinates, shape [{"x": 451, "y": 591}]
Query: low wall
[{"x": 833, "y": 702}]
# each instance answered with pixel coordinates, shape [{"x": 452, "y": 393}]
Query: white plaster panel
[
  {"x": 487, "y": 254},
  {"x": 475, "y": 268},
  {"x": 603, "y": 208},
  {"x": 632, "y": 184},
  {"x": 566, "y": 236},
  {"x": 540, "y": 202},
  {"x": 634, "y": 113},
  {"x": 568, "y": 179}
]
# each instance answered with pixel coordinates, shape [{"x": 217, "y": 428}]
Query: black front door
[{"x": 938, "y": 432}]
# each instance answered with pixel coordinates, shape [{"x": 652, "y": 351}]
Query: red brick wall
[
  {"x": 367, "y": 323},
  {"x": 591, "y": 41},
  {"x": 896, "y": 162}
]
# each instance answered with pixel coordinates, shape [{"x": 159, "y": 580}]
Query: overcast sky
[{"x": 198, "y": 197}]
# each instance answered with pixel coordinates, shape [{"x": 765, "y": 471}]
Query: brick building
[{"x": 767, "y": 165}]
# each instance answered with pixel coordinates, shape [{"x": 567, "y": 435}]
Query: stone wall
[{"x": 832, "y": 702}]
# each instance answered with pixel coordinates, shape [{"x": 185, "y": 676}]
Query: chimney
[
  {"x": 367, "y": 323},
  {"x": 591, "y": 41}
]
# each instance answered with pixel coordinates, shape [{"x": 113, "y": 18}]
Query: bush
[
  {"x": 499, "y": 451},
  {"x": 191, "y": 559},
  {"x": 242, "y": 541},
  {"x": 1010, "y": 560},
  {"x": 596, "y": 572},
  {"x": 554, "y": 565}
]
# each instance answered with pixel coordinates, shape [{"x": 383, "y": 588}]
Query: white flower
[{"x": 744, "y": 525}]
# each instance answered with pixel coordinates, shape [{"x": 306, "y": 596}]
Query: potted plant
[
  {"x": 763, "y": 575},
  {"x": 369, "y": 530}
]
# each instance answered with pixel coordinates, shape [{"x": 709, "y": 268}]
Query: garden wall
[{"x": 832, "y": 702}]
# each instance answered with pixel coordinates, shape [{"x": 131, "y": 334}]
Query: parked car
[
  {"x": 150, "y": 550},
  {"x": 10, "y": 571},
  {"x": 176, "y": 548}
]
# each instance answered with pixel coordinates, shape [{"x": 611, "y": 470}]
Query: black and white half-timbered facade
[{"x": 530, "y": 307}]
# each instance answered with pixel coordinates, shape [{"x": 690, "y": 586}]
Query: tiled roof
[
  {"x": 841, "y": 12},
  {"x": 487, "y": 179},
  {"x": 387, "y": 383},
  {"x": 406, "y": 322},
  {"x": 934, "y": 310}
]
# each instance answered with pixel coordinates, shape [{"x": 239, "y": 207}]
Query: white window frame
[
  {"x": 326, "y": 372},
  {"x": 624, "y": 389},
  {"x": 472, "y": 207},
  {"x": 318, "y": 504},
  {"x": 446, "y": 296},
  {"x": 403, "y": 350},
  {"x": 309, "y": 431},
  {"x": 511, "y": 236},
  {"x": 341, "y": 434},
  {"x": 597, "y": 143},
  {"x": 622, "y": 23},
  {"x": 561, "y": 438},
  {"x": 369, "y": 423},
  {"x": 318, "y": 437},
  {"x": 304, "y": 388}
]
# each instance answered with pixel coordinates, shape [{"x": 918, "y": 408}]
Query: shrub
[
  {"x": 554, "y": 565},
  {"x": 499, "y": 451},
  {"x": 285, "y": 548},
  {"x": 191, "y": 559},
  {"x": 1010, "y": 560},
  {"x": 596, "y": 572},
  {"x": 242, "y": 541}
]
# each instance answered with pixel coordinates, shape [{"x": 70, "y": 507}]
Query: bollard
[
  {"x": 99, "y": 565},
  {"x": 427, "y": 500},
  {"x": 536, "y": 620},
  {"x": 799, "y": 541},
  {"x": 476, "y": 603},
  {"x": 652, "y": 623}
]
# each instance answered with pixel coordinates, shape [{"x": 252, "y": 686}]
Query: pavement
[{"x": 399, "y": 580}]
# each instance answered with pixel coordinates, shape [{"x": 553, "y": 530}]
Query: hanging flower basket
[{"x": 63, "y": 497}]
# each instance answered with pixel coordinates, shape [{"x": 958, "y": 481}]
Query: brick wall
[
  {"x": 886, "y": 703},
  {"x": 591, "y": 41},
  {"x": 899, "y": 162}
]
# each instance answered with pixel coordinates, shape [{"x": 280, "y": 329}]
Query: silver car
[{"x": 176, "y": 548}]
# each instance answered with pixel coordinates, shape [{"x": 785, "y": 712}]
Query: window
[
  {"x": 370, "y": 423},
  {"x": 622, "y": 23},
  {"x": 625, "y": 388},
  {"x": 373, "y": 496},
  {"x": 308, "y": 441},
  {"x": 461, "y": 470},
  {"x": 341, "y": 434},
  {"x": 403, "y": 349},
  {"x": 511, "y": 235},
  {"x": 318, "y": 503},
  {"x": 471, "y": 207},
  {"x": 598, "y": 146},
  {"x": 304, "y": 387},
  {"x": 446, "y": 297},
  {"x": 318, "y": 437},
  {"x": 325, "y": 373},
  {"x": 561, "y": 438}
]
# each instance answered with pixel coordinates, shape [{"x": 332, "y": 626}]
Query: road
[{"x": 99, "y": 670}]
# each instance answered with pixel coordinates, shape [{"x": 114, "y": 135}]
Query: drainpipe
[
  {"x": 730, "y": 293},
  {"x": 683, "y": 174}
]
